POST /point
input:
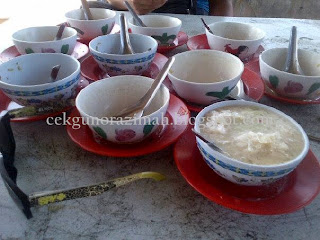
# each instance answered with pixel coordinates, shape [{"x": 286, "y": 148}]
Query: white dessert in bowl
[{"x": 261, "y": 144}]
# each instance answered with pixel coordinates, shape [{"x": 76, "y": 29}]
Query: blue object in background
[{"x": 202, "y": 7}]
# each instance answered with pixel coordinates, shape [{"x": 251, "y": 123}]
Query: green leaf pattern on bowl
[
  {"x": 274, "y": 81},
  {"x": 164, "y": 38},
  {"x": 221, "y": 95},
  {"x": 100, "y": 132},
  {"x": 104, "y": 29},
  {"x": 29, "y": 50},
  {"x": 65, "y": 48},
  {"x": 148, "y": 128},
  {"x": 314, "y": 87}
]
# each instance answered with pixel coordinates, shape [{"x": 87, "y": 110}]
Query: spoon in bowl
[
  {"x": 209, "y": 143},
  {"x": 136, "y": 110},
  {"x": 125, "y": 47},
  {"x": 54, "y": 73},
  {"x": 86, "y": 10},
  {"x": 134, "y": 15},
  {"x": 60, "y": 32},
  {"x": 206, "y": 26},
  {"x": 292, "y": 62}
]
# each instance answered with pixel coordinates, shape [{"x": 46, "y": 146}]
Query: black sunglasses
[{"x": 25, "y": 202}]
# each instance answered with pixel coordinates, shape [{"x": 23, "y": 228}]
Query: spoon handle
[
  {"x": 60, "y": 32},
  {"x": 86, "y": 10},
  {"x": 210, "y": 144},
  {"x": 124, "y": 36},
  {"x": 206, "y": 26},
  {"x": 292, "y": 62},
  {"x": 147, "y": 98},
  {"x": 134, "y": 14}
]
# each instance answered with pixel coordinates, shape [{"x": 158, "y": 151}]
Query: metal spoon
[
  {"x": 138, "y": 108},
  {"x": 209, "y": 143},
  {"x": 60, "y": 32},
  {"x": 86, "y": 10},
  {"x": 54, "y": 73},
  {"x": 134, "y": 15},
  {"x": 125, "y": 47},
  {"x": 292, "y": 62},
  {"x": 206, "y": 26}
]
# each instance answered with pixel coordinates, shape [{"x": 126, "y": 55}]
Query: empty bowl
[
  {"x": 26, "y": 79},
  {"x": 105, "y": 50},
  {"x": 272, "y": 65},
  {"x": 41, "y": 40},
  {"x": 258, "y": 141},
  {"x": 205, "y": 76},
  {"x": 102, "y": 23},
  {"x": 105, "y": 98},
  {"x": 239, "y": 39},
  {"x": 164, "y": 29}
]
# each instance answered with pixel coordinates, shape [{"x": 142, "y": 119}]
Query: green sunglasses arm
[{"x": 44, "y": 198}]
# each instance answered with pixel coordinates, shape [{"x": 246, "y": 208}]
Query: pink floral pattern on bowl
[{"x": 125, "y": 135}]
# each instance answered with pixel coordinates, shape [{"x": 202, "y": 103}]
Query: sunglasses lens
[
  {"x": 21, "y": 202},
  {"x": 19, "y": 197}
]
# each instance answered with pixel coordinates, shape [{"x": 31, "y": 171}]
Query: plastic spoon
[
  {"x": 125, "y": 47},
  {"x": 86, "y": 10},
  {"x": 138, "y": 108},
  {"x": 134, "y": 15},
  {"x": 60, "y": 32},
  {"x": 292, "y": 62}
]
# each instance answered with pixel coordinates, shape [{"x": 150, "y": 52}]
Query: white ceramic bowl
[
  {"x": 240, "y": 39},
  {"x": 164, "y": 29},
  {"x": 240, "y": 172},
  {"x": 194, "y": 75},
  {"x": 106, "y": 97},
  {"x": 272, "y": 63},
  {"x": 105, "y": 50},
  {"x": 26, "y": 79},
  {"x": 102, "y": 23},
  {"x": 40, "y": 40}
]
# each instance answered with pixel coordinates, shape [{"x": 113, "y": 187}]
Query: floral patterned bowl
[
  {"x": 164, "y": 29},
  {"x": 104, "y": 98},
  {"x": 105, "y": 50},
  {"x": 40, "y": 40},
  {"x": 26, "y": 79},
  {"x": 241, "y": 172},
  {"x": 102, "y": 23},
  {"x": 272, "y": 63},
  {"x": 239, "y": 39},
  {"x": 205, "y": 76}
]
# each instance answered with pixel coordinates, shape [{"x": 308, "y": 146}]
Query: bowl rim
[
  {"x": 212, "y": 83},
  {"x": 114, "y": 13},
  {"x": 125, "y": 56},
  {"x": 30, "y": 87},
  {"x": 298, "y": 158},
  {"x": 237, "y": 40},
  {"x": 74, "y": 35},
  {"x": 298, "y": 77},
  {"x": 126, "y": 77},
  {"x": 130, "y": 22}
]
